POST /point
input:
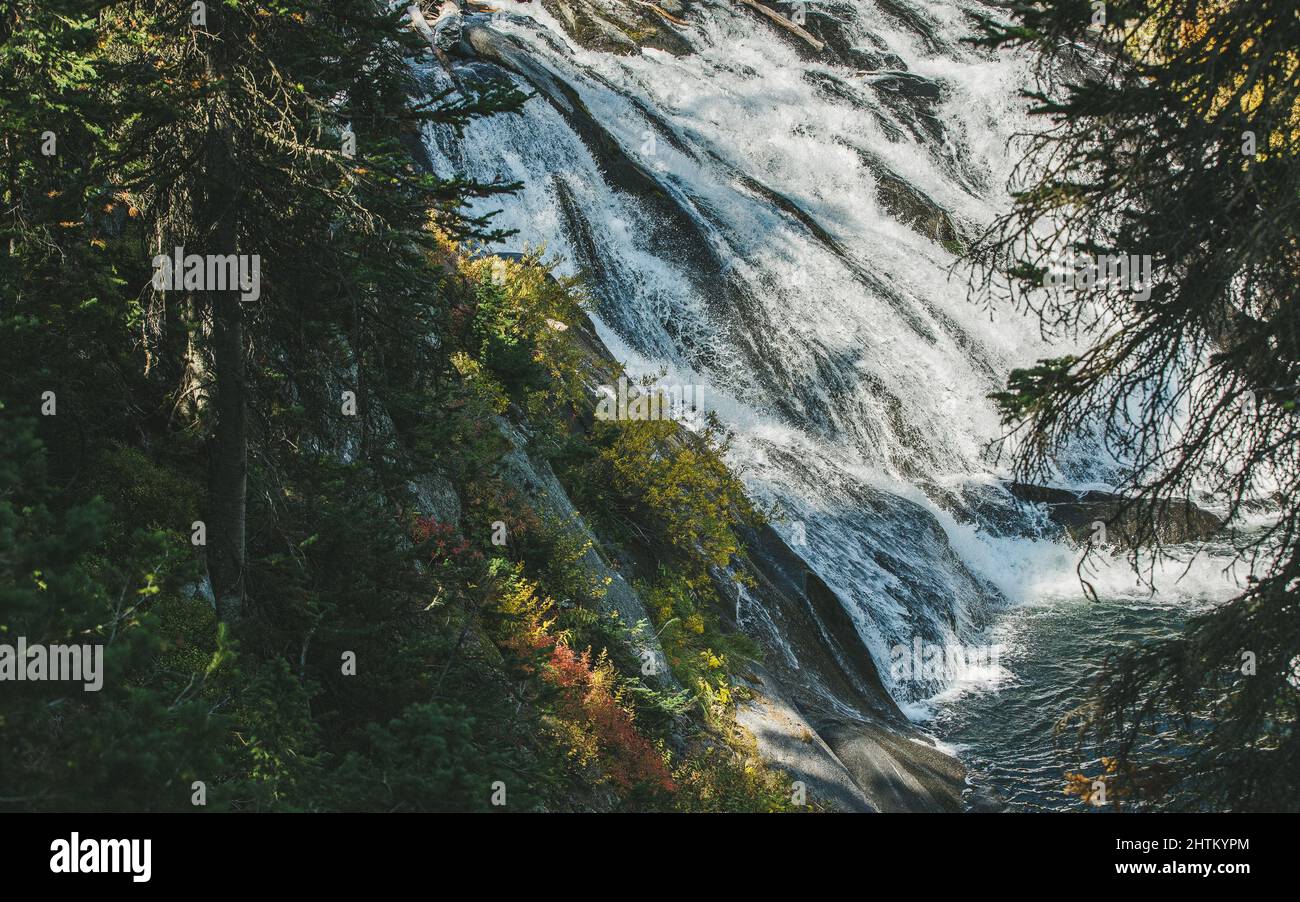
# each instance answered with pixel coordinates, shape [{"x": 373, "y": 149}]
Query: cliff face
[
  {"x": 1104, "y": 519},
  {"x": 818, "y": 708},
  {"x": 816, "y": 705}
]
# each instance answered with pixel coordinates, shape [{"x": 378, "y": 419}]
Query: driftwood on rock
[
  {"x": 662, "y": 12},
  {"x": 784, "y": 22}
]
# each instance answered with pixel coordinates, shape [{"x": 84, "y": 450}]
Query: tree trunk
[{"x": 228, "y": 448}]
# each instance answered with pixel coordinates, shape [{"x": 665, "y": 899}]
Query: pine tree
[
  {"x": 1171, "y": 128},
  {"x": 224, "y": 133},
  {"x": 241, "y": 143}
]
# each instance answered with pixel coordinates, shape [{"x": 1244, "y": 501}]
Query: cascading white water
[{"x": 736, "y": 226}]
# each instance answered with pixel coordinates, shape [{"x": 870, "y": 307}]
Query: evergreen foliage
[
  {"x": 335, "y": 644},
  {"x": 1171, "y": 128}
]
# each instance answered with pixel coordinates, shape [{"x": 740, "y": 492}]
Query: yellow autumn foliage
[{"x": 1210, "y": 93}]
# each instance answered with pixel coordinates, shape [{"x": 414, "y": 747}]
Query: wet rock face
[
  {"x": 611, "y": 26},
  {"x": 676, "y": 234},
  {"x": 813, "y": 645},
  {"x": 913, "y": 208},
  {"x": 850, "y": 764},
  {"x": 820, "y": 709},
  {"x": 826, "y": 23},
  {"x": 1126, "y": 524},
  {"x": 1076, "y": 516},
  {"x": 824, "y": 709}
]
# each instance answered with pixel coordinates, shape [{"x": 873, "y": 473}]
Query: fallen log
[
  {"x": 663, "y": 12},
  {"x": 784, "y": 22}
]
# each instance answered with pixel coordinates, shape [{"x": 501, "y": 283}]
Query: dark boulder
[{"x": 1128, "y": 523}]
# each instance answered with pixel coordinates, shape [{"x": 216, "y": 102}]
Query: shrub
[{"x": 591, "y": 713}]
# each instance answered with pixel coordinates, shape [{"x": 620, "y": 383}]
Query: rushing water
[
  {"x": 727, "y": 206},
  {"x": 731, "y": 207}
]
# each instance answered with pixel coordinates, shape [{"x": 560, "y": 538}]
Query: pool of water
[{"x": 1049, "y": 654}]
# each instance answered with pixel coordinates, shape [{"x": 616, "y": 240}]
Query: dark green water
[{"x": 1050, "y": 652}]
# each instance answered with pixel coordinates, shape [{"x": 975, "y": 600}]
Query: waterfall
[{"x": 779, "y": 224}]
